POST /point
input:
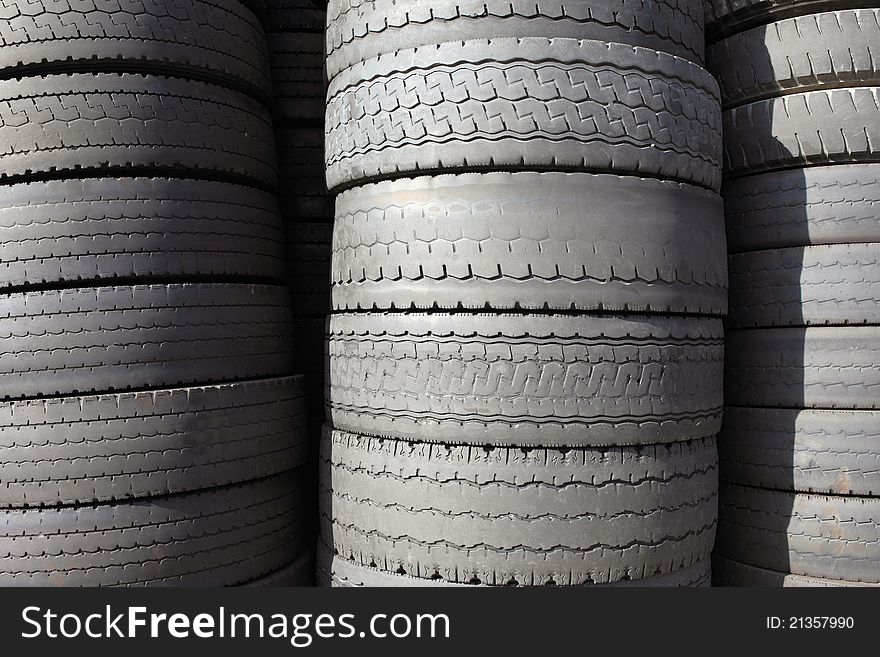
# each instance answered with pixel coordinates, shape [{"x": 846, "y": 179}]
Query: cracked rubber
[
  {"x": 726, "y": 572},
  {"x": 303, "y": 192},
  {"x": 308, "y": 261},
  {"x": 473, "y": 514},
  {"x": 798, "y": 54},
  {"x": 801, "y": 207},
  {"x": 218, "y": 40},
  {"x": 297, "y": 77},
  {"x": 530, "y": 240},
  {"x": 104, "y": 228},
  {"x": 64, "y": 342},
  {"x": 362, "y": 29},
  {"x": 70, "y": 122},
  {"x": 725, "y": 17},
  {"x": 99, "y": 448},
  {"x": 829, "y": 537},
  {"x": 525, "y": 380},
  {"x": 295, "y": 15},
  {"x": 815, "y": 367},
  {"x": 806, "y": 286},
  {"x": 220, "y": 537},
  {"x": 337, "y": 572},
  {"x": 810, "y": 451},
  {"x": 563, "y": 104}
]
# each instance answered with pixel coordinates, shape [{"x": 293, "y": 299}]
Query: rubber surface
[
  {"x": 361, "y": 29},
  {"x": 298, "y": 573},
  {"x": 814, "y": 285},
  {"x": 297, "y": 77},
  {"x": 835, "y": 452},
  {"x": 524, "y": 103},
  {"x": 512, "y": 515},
  {"x": 733, "y": 573},
  {"x": 817, "y": 205},
  {"x": 63, "y": 342},
  {"x": 337, "y": 572},
  {"x": 295, "y": 15},
  {"x": 303, "y": 192},
  {"x": 816, "y": 367},
  {"x": 70, "y": 122},
  {"x": 725, "y": 17},
  {"x": 221, "y": 537},
  {"x": 530, "y": 240},
  {"x": 525, "y": 380},
  {"x": 821, "y": 536},
  {"x": 68, "y": 230},
  {"x": 309, "y": 354},
  {"x": 308, "y": 261},
  {"x": 218, "y": 39},
  {"x": 99, "y": 448},
  {"x": 799, "y": 54}
]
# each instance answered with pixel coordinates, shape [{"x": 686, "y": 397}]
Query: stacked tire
[
  {"x": 800, "y": 450},
  {"x": 525, "y": 354},
  {"x": 150, "y": 427}
]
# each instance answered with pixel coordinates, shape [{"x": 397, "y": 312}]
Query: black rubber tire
[
  {"x": 726, "y": 572},
  {"x": 726, "y": 17},
  {"x": 525, "y": 103},
  {"x": 309, "y": 354},
  {"x": 65, "y": 342},
  {"x": 82, "y": 121},
  {"x": 817, "y": 205},
  {"x": 298, "y": 77},
  {"x": 828, "y": 126},
  {"x": 308, "y": 259},
  {"x": 334, "y": 571},
  {"x": 220, "y": 537},
  {"x": 218, "y": 40},
  {"x": 295, "y": 15},
  {"x": 358, "y": 30},
  {"x": 302, "y": 191},
  {"x": 809, "y": 451},
  {"x": 530, "y": 240},
  {"x": 299, "y": 573},
  {"x": 100, "y": 448},
  {"x": 815, "y": 367},
  {"x": 104, "y": 228},
  {"x": 806, "y": 286},
  {"x": 823, "y": 536},
  {"x": 525, "y": 380},
  {"x": 517, "y": 516},
  {"x": 814, "y": 51}
]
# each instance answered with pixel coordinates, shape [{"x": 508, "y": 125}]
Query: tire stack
[
  {"x": 800, "y": 449},
  {"x": 149, "y": 426},
  {"x": 525, "y": 356}
]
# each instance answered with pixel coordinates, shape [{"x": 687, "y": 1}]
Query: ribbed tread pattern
[
  {"x": 524, "y": 103},
  {"x": 726, "y": 572},
  {"x": 830, "y": 537},
  {"x": 100, "y": 448},
  {"x": 525, "y": 379},
  {"x": 308, "y": 258},
  {"x": 360, "y": 29},
  {"x": 88, "y": 229},
  {"x": 815, "y": 367},
  {"x": 70, "y": 122},
  {"x": 817, "y": 205},
  {"x": 473, "y": 514},
  {"x": 530, "y": 240},
  {"x": 221, "y": 537},
  {"x": 303, "y": 195},
  {"x": 725, "y": 17},
  {"x": 297, "y": 76},
  {"x": 62, "y": 342},
  {"x": 814, "y": 285},
  {"x": 220, "y": 38},
  {"x": 811, "y": 451},
  {"x": 295, "y": 15},
  {"x": 799, "y": 54}
]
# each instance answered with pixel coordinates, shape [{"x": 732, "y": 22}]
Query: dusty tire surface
[
  {"x": 830, "y": 537},
  {"x": 525, "y": 380},
  {"x": 104, "y": 228},
  {"x": 297, "y": 76},
  {"x": 815, "y": 367},
  {"x": 508, "y": 515},
  {"x": 358, "y": 30},
  {"x": 218, "y": 40},
  {"x": 100, "y": 448},
  {"x": 726, "y": 572},
  {"x": 806, "y": 286},
  {"x": 64, "y": 342},
  {"x": 220, "y": 537},
  {"x": 563, "y": 104},
  {"x": 810, "y": 451},
  {"x": 70, "y": 122},
  {"x": 560, "y": 241},
  {"x": 803, "y": 207}
]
